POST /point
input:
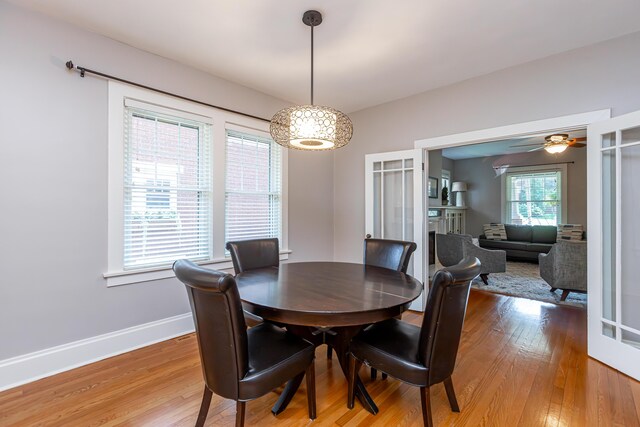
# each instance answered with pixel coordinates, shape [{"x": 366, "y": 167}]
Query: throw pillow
[
  {"x": 495, "y": 231},
  {"x": 569, "y": 231}
]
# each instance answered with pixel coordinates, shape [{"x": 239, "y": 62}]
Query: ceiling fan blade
[
  {"x": 536, "y": 149},
  {"x": 575, "y": 142},
  {"x": 577, "y": 145},
  {"x": 579, "y": 139},
  {"x": 526, "y": 145}
]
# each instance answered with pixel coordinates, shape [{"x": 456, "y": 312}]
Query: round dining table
[{"x": 326, "y": 303}]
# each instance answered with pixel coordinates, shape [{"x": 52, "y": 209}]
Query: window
[
  {"x": 183, "y": 179},
  {"x": 534, "y": 196},
  {"x": 253, "y": 187},
  {"x": 167, "y": 197}
]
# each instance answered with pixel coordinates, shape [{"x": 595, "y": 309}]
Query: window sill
[{"x": 119, "y": 278}]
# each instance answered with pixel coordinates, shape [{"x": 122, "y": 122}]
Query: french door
[
  {"x": 394, "y": 192},
  {"x": 613, "y": 232}
]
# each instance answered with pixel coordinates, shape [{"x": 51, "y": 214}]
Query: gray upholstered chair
[
  {"x": 453, "y": 248},
  {"x": 565, "y": 267}
]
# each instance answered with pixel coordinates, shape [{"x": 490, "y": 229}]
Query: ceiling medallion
[{"x": 311, "y": 127}]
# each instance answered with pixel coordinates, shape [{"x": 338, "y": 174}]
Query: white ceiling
[
  {"x": 503, "y": 147},
  {"x": 367, "y": 51}
]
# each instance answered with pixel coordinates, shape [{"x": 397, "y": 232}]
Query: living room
[{"x": 523, "y": 191}]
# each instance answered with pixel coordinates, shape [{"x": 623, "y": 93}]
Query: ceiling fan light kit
[
  {"x": 311, "y": 127},
  {"x": 556, "y": 147}
]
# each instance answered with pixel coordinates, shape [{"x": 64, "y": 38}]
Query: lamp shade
[
  {"x": 556, "y": 148},
  {"x": 459, "y": 186}
]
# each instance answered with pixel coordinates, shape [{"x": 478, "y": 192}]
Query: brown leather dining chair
[
  {"x": 239, "y": 363},
  {"x": 420, "y": 356},
  {"x": 386, "y": 253},
  {"x": 252, "y": 254}
]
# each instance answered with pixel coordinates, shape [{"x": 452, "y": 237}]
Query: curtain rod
[
  {"x": 539, "y": 164},
  {"x": 84, "y": 70}
]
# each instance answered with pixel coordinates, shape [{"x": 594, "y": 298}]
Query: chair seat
[
  {"x": 273, "y": 354},
  {"x": 392, "y": 347}
]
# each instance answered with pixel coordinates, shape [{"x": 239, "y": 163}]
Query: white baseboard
[{"x": 40, "y": 364}]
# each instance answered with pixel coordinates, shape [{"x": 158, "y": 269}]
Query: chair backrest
[
  {"x": 444, "y": 317},
  {"x": 220, "y": 326},
  {"x": 251, "y": 254},
  {"x": 449, "y": 248},
  {"x": 570, "y": 264},
  {"x": 391, "y": 254}
]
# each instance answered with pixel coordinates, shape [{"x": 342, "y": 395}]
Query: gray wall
[
  {"x": 484, "y": 195},
  {"x": 435, "y": 171},
  {"x": 53, "y": 181},
  {"x": 591, "y": 78}
]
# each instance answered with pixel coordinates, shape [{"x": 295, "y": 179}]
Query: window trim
[
  {"x": 221, "y": 121},
  {"x": 562, "y": 168}
]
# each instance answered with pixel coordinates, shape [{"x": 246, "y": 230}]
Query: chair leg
[
  {"x": 240, "y": 413},
  {"x": 204, "y": 407},
  {"x": 565, "y": 294},
  {"x": 451, "y": 394},
  {"x": 426, "y": 406},
  {"x": 384, "y": 376},
  {"x": 329, "y": 352},
  {"x": 354, "y": 367},
  {"x": 553, "y": 289},
  {"x": 485, "y": 278},
  {"x": 374, "y": 374},
  {"x": 310, "y": 374}
]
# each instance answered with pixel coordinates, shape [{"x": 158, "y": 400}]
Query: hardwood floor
[{"x": 520, "y": 362}]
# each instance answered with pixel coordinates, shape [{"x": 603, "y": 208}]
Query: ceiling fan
[{"x": 556, "y": 143}]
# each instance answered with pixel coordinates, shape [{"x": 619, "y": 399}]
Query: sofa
[{"x": 524, "y": 242}]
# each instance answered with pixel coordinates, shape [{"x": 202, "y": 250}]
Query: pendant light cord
[{"x": 312, "y": 63}]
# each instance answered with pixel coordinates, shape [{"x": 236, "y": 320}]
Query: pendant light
[{"x": 311, "y": 127}]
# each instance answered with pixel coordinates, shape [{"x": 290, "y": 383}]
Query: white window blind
[
  {"x": 253, "y": 196},
  {"x": 533, "y": 198},
  {"x": 167, "y": 188}
]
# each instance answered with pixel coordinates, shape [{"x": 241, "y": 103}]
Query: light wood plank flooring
[{"x": 520, "y": 363}]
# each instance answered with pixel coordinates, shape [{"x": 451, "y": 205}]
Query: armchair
[
  {"x": 565, "y": 267},
  {"x": 453, "y": 248}
]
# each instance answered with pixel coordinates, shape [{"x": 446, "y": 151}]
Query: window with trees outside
[{"x": 533, "y": 197}]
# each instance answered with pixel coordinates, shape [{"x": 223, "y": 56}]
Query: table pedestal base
[{"x": 338, "y": 338}]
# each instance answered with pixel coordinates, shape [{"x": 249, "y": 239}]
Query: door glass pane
[
  {"x": 608, "y": 140},
  {"x": 631, "y": 135},
  {"x": 630, "y": 338},
  {"x": 609, "y": 234},
  {"x": 608, "y": 330},
  {"x": 408, "y": 211},
  {"x": 376, "y": 166},
  {"x": 392, "y": 205},
  {"x": 630, "y": 232},
  {"x": 393, "y": 164},
  {"x": 377, "y": 205},
  {"x": 408, "y": 205},
  {"x": 408, "y": 163}
]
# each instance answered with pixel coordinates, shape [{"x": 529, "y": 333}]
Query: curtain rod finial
[{"x": 69, "y": 65}]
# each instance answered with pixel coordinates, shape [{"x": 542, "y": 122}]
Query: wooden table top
[{"x": 326, "y": 294}]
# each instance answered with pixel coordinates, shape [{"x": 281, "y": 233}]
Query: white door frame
[{"x": 545, "y": 126}]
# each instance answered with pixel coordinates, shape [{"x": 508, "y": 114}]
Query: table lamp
[{"x": 459, "y": 188}]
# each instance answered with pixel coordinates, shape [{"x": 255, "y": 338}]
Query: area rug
[{"x": 522, "y": 279}]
